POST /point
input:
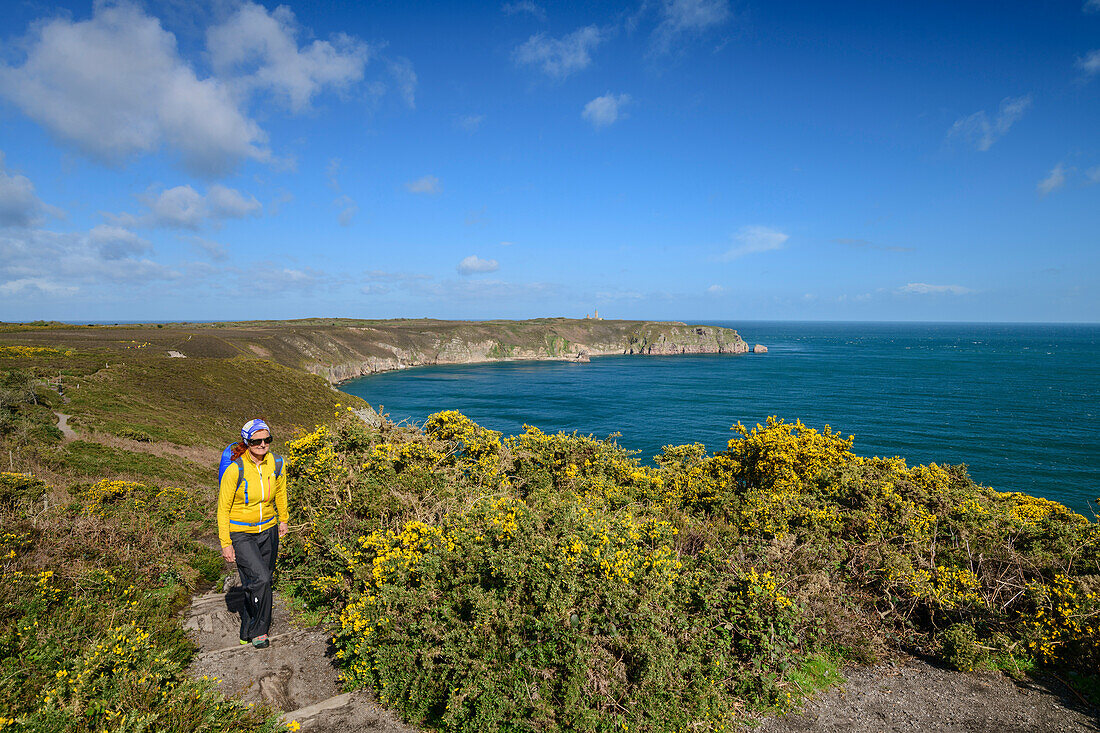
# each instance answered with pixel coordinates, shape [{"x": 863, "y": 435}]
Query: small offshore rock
[{"x": 759, "y": 349}]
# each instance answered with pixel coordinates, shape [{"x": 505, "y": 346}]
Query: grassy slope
[
  {"x": 97, "y": 555},
  {"x": 141, "y": 414}
]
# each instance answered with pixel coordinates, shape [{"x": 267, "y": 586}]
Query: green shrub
[
  {"x": 960, "y": 648},
  {"x": 18, "y": 487},
  {"x": 134, "y": 434},
  {"x": 550, "y": 580}
]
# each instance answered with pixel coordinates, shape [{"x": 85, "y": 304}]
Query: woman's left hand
[{"x": 283, "y": 529}]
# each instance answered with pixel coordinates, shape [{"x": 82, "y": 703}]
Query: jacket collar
[{"x": 266, "y": 460}]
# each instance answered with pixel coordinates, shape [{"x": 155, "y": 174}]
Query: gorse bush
[{"x": 481, "y": 582}]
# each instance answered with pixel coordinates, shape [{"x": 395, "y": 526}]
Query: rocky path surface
[{"x": 295, "y": 674}]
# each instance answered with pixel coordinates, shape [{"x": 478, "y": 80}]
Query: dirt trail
[
  {"x": 913, "y": 695},
  {"x": 67, "y": 433},
  {"x": 295, "y": 674}
]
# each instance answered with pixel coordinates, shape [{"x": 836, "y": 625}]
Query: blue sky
[{"x": 680, "y": 159}]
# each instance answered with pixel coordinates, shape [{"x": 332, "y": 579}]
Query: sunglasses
[{"x": 258, "y": 441}]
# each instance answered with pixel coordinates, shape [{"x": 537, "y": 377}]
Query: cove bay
[{"x": 1018, "y": 403}]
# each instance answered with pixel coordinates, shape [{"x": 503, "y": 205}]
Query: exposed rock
[
  {"x": 682, "y": 339},
  {"x": 176, "y": 355},
  {"x": 296, "y": 674},
  {"x": 759, "y": 349}
]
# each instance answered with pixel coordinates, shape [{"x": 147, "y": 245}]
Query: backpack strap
[
  {"x": 278, "y": 466},
  {"x": 240, "y": 478}
]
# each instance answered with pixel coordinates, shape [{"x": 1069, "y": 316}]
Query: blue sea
[{"x": 1018, "y": 403}]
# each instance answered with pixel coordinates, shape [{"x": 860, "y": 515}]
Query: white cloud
[
  {"x": 684, "y": 18},
  {"x": 560, "y": 57},
  {"x": 1091, "y": 6},
  {"x": 982, "y": 132},
  {"x": 604, "y": 111},
  {"x": 34, "y": 286},
  {"x": 75, "y": 260},
  {"x": 1090, "y": 62},
  {"x": 474, "y": 264},
  {"x": 1054, "y": 180},
  {"x": 332, "y": 172},
  {"x": 394, "y": 277},
  {"x": 380, "y": 282},
  {"x": 116, "y": 243},
  {"x": 449, "y": 291},
  {"x": 755, "y": 239},
  {"x": 19, "y": 206},
  {"x": 427, "y": 185},
  {"x": 478, "y": 218},
  {"x": 716, "y": 290},
  {"x": 348, "y": 209},
  {"x": 182, "y": 207},
  {"x": 926, "y": 289},
  {"x": 469, "y": 123},
  {"x": 375, "y": 289},
  {"x": 404, "y": 77},
  {"x": 610, "y": 295},
  {"x": 506, "y": 244},
  {"x": 229, "y": 203},
  {"x": 114, "y": 86},
  {"x": 272, "y": 277},
  {"x": 1093, "y": 174},
  {"x": 526, "y": 6},
  {"x": 258, "y": 51},
  {"x": 215, "y": 250}
]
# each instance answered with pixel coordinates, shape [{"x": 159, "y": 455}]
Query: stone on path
[{"x": 295, "y": 674}]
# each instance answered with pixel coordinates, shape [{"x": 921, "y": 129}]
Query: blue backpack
[{"x": 227, "y": 460}]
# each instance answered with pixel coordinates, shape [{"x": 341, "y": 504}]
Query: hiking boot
[
  {"x": 261, "y": 642},
  {"x": 245, "y": 642}
]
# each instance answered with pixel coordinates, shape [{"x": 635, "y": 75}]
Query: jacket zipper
[{"x": 260, "y": 470}]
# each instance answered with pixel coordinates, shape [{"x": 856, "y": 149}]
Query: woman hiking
[{"x": 252, "y": 516}]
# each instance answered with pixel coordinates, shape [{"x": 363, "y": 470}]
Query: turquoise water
[{"x": 1019, "y": 404}]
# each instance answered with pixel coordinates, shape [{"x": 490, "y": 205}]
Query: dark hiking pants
[{"x": 256, "y": 555}]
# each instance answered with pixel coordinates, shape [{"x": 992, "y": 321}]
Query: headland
[{"x": 339, "y": 349}]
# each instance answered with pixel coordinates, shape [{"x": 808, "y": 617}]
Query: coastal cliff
[
  {"x": 348, "y": 350},
  {"x": 342, "y": 348}
]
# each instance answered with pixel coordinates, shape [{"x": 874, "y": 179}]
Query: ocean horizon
[{"x": 1018, "y": 403}]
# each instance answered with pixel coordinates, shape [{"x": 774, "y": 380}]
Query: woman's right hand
[{"x": 229, "y": 554}]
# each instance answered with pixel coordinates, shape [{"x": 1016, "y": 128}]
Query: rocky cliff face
[
  {"x": 344, "y": 350},
  {"x": 683, "y": 339}
]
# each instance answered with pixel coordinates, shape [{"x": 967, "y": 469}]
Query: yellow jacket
[{"x": 259, "y": 502}]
